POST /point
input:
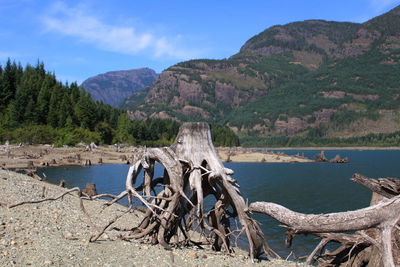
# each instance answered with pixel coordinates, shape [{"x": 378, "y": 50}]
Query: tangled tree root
[{"x": 175, "y": 201}]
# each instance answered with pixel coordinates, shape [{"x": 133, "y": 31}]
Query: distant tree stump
[
  {"x": 320, "y": 157},
  {"x": 90, "y": 190}
]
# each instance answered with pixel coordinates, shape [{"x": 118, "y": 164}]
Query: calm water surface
[{"x": 303, "y": 187}]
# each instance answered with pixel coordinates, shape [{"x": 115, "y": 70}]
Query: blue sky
[{"x": 79, "y": 39}]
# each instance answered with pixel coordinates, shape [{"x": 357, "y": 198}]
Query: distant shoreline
[{"x": 15, "y": 157}]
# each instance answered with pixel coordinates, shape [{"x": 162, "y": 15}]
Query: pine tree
[
  {"x": 85, "y": 111},
  {"x": 124, "y": 130},
  {"x": 43, "y": 100},
  {"x": 105, "y": 132},
  {"x": 8, "y": 86},
  {"x": 54, "y": 106}
]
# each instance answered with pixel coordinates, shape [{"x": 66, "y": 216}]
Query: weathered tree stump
[
  {"x": 320, "y": 157},
  {"x": 30, "y": 164},
  {"x": 88, "y": 162},
  {"x": 90, "y": 190},
  {"x": 192, "y": 172},
  {"x": 338, "y": 159}
]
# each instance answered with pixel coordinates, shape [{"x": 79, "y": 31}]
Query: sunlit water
[{"x": 302, "y": 187}]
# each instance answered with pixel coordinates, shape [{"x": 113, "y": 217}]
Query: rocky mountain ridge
[{"x": 115, "y": 86}]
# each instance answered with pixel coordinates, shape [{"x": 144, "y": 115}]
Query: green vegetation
[
  {"x": 356, "y": 76},
  {"x": 336, "y": 32},
  {"x": 390, "y": 139},
  {"x": 223, "y": 136},
  {"x": 36, "y": 108}
]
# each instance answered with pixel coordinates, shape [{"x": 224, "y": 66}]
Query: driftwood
[
  {"x": 175, "y": 201},
  {"x": 338, "y": 159},
  {"x": 376, "y": 228},
  {"x": 387, "y": 187},
  {"x": 320, "y": 157},
  {"x": 75, "y": 189}
]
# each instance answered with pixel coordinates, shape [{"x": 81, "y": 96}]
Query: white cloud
[
  {"x": 381, "y": 5},
  {"x": 76, "y": 22}
]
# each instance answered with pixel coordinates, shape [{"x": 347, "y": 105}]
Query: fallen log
[{"x": 383, "y": 217}]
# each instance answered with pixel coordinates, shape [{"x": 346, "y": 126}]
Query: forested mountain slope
[{"x": 313, "y": 79}]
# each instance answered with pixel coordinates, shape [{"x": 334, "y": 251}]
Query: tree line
[
  {"x": 37, "y": 108},
  {"x": 379, "y": 139}
]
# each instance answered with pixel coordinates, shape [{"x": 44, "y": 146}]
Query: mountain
[
  {"x": 312, "y": 78},
  {"x": 114, "y": 86}
]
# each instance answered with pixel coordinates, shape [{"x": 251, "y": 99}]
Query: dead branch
[
  {"x": 387, "y": 187},
  {"x": 382, "y": 217},
  {"x": 45, "y": 199},
  {"x": 96, "y": 237},
  {"x": 332, "y": 222}
]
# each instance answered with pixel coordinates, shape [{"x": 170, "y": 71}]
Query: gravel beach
[{"x": 56, "y": 233}]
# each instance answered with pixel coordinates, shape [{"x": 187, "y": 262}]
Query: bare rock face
[
  {"x": 290, "y": 127},
  {"x": 113, "y": 87}
]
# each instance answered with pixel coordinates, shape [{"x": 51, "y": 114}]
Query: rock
[
  {"x": 115, "y": 86},
  {"x": 192, "y": 255},
  {"x": 69, "y": 236}
]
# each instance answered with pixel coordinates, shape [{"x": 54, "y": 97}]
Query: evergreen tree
[
  {"x": 105, "y": 132},
  {"x": 124, "y": 130},
  {"x": 43, "y": 100},
  {"x": 54, "y": 106},
  {"x": 85, "y": 111},
  {"x": 8, "y": 86}
]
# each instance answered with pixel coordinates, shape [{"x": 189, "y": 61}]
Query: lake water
[{"x": 302, "y": 187}]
